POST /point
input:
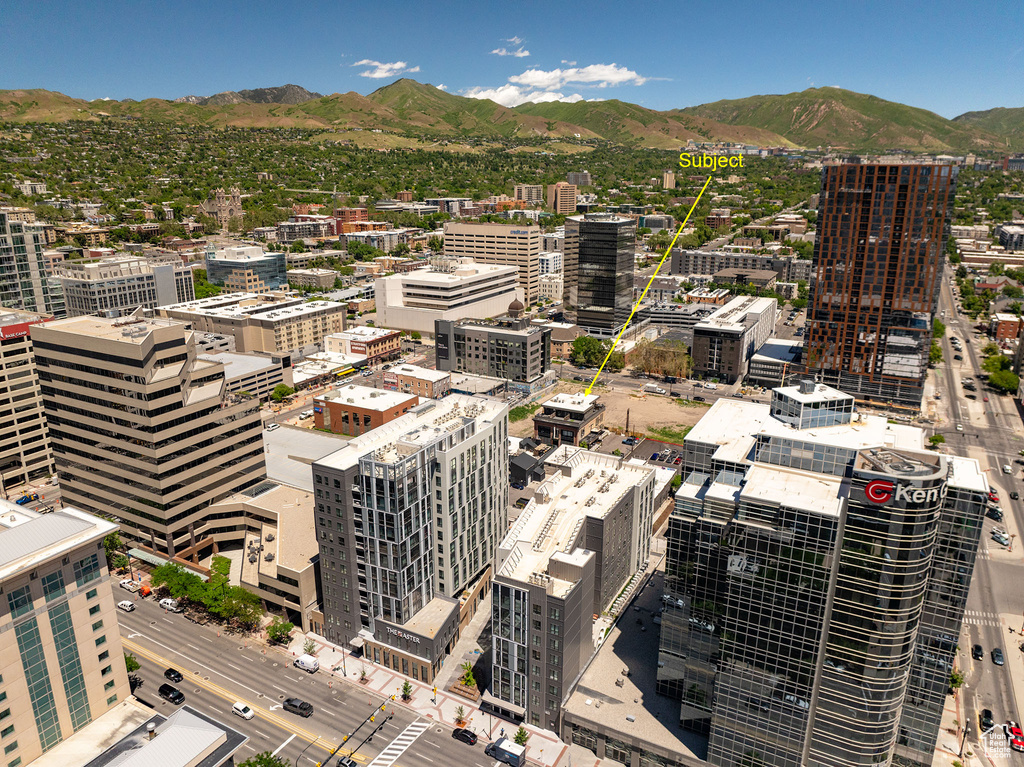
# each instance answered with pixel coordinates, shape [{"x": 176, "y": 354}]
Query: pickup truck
[{"x": 27, "y": 498}]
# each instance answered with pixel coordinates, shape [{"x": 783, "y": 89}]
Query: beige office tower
[
  {"x": 562, "y": 197},
  {"x": 24, "y": 447},
  {"x": 668, "y": 180},
  {"x": 144, "y": 431},
  {"x": 514, "y": 245},
  {"x": 61, "y": 662}
]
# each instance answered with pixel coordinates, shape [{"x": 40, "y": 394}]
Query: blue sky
[{"x": 949, "y": 57}]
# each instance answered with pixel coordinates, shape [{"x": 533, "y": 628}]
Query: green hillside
[
  {"x": 1002, "y": 121},
  {"x": 841, "y": 118}
]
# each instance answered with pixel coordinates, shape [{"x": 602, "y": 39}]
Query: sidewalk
[{"x": 543, "y": 747}]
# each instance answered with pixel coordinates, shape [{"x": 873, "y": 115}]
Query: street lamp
[{"x": 967, "y": 730}]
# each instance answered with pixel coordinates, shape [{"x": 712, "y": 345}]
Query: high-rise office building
[
  {"x": 878, "y": 264},
  {"x": 116, "y": 286},
  {"x": 562, "y": 197},
  {"x": 24, "y": 444},
  {"x": 408, "y": 517},
  {"x": 246, "y": 269},
  {"x": 579, "y": 178},
  {"x": 24, "y": 282},
  {"x": 817, "y": 572},
  {"x": 601, "y": 262},
  {"x": 143, "y": 430},
  {"x": 61, "y": 662},
  {"x": 514, "y": 245}
]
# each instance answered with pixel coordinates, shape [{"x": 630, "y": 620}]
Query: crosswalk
[
  {"x": 400, "y": 744},
  {"x": 980, "y": 618}
]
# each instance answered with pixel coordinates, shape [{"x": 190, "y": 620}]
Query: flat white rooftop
[
  {"x": 411, "y": 431},
  {"x": 574, "y": 403},
  {"x": 733, "y": 425},
  {"x": 125, "y": 330},
  {"x": 552, "y": 520},
  {"x": 732, "y": 316},
  {"x": 363, "y": 333},
  {"x": 367, "y": 398},
  {"x": 967, "y": 474},
  {"x": 29, "y": 538},
  {"x": 777, "y": 485},
  {"x": 427, "y": 374},
  {"x": 821, "y": 393}
]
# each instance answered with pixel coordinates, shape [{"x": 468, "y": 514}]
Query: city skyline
[{"x": 513, "y": 61}]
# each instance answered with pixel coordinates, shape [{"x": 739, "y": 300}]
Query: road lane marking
[
  {"x": 236, "y": 668},
  {"x": 278, "y": 688},
  {"x": 281, "y": 747},
  {"x": 192, "y": 646},
  {"x": 263, "y": 735}
]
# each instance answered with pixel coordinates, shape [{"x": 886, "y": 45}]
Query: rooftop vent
[{"x": 806, "y": 386}]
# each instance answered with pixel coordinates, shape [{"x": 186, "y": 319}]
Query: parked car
[
  {"x": 987, "y": 722},
  {"x": 655, "y": 457},
  {"x": 129, "y": 585},
  {"x": 173, "y": 675},
  {"x": 297, "y": 706},
  {"x": 997, "y": 656},
  {"x": 242, "y": 710},
  {"x": 1014, "y": 735},
  {"x": 466, "y": 736},
  {"x": 518, "y": 485},
  {"x": 977, "y": 652},
  {"x": 699, "y": 399},
  {"x": 127, "y": 605},
  {"x": 306, "y": 414},
  {"x": 27, "y": 498},
  {"x": 1000, "y": 536},
  {"x": 273, "y": 426},
  {"x": 171, "y": 694}
]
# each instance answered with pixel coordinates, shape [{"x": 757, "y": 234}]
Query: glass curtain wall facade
[
  {"x": 24, "y": 281},
  {"x": 604, "y": 272},
  {"x": 878, "y": 264}
]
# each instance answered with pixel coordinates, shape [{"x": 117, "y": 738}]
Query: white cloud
[
  {"x": 514, "y": 40},
  {"x": 519, "y": 53},
  {"x": 512, "y": 95},
  {"x": 442, "y": 87},
  {"x": 595, "y": 76},
  {"x": 570, "y": 63},
  {"x": 380, "y": 69}
]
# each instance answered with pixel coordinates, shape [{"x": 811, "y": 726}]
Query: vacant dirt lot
[{"x": 647, "y": 412}]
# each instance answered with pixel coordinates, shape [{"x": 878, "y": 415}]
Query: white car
[
  {"x": 129, "y": 585},
  {"x": 127, "y": 605},
  {"x": 959, "y": 427},
  {"x": 273, "y": 426},
  {"x": 306, "y": 414},
  {"x": 1000, "y": 536},
  {"x": 242, "y": 710}
]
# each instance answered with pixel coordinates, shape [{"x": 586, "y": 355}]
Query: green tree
[
  {"x": 240, "y": 606},
  {"x": 938, "y": 328},
  {"x": 112, "y": 546},
  {"x": 935, "y": 353},
  {"x": 203, "y": 289},
  {"x": 265, "y": 759},
  {"x": 436, "y": 244},
  {"x": 460, "y": 714},
  {"x": 281, "y": 391},
  {"x": 995, "y": 269},
  {"x": 180, "y": 583},
  {"x": 131, "y": 663},
  {"x": 521, "y": 736},
  {"x": 961, "y": 272},
  {"x": 586, "y": 352},
  {"x": 279, "y": 630},
  {"x": 1004, "y": 380},
  {"x": 309, "y": 647},
  {"x": 298, "y": 247},
  {"x": 1012, "y": 291},
  {"x": 936, "y": 439},
  {"x": 956, "y": 679},
  {"x": 415, "y": 335},
  {"x": 996, "y": 363},
  {"x": 467, "y": 677},
  {"x": 406, "y": 690}
]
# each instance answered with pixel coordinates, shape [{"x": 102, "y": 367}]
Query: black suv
[
  {"x": 300, "y": 707},
  {"x": 171, "y": 694},
  {"x": 173, "y": 675},
  {"x": 977, "y": 652},
  {"x": 987, "y": 722},
  {"x": 466, "y": 736}
]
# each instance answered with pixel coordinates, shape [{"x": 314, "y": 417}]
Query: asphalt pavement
[{"x": 221, "y": 668}]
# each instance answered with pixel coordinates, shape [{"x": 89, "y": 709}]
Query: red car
[
  {"x": 993, "y": 497},
  {"x": 1014, "y": 735}
]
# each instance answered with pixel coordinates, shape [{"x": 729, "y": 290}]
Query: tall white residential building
[
  {"x": 550, "y": 262},
  {"x": 24, "y": 281},
  {"x": 409, "y": 516},
  {"x": 119, "y": 285},
  {"x": 449, "y": 289}
]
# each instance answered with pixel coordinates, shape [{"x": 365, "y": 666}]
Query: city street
[
  {"x": 995, "y": 607},
  {"x": 221, "y": 668}
]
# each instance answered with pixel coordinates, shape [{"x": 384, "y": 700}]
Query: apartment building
[
  {"x": 668, "y": 180},
  {"x": 408, "y": 517},
  {"x": 514, "y": 245},
  {"x": 423, "y": 382},
  {"x": 579, "y": 178},
  {"x": 61, "y": 660},
  {"x": 509, "y": 347},
  {"x": 532, "y": 194},
  {"x": 788, "y": 268},
  {"x": 550, "y": 262},
  {"x": 305, "y": 227},
  {"x": 119, "y": 285},
  {"x": 24, "y": 281},
  {"x": 322, "y": 279},
  {"x": 551, "y": 287},
  {"x": 143, "y": 430},
  {"x": 584, "y": 533},
  {"x": 25, "y": 453},
  {"x": 354, "y": 410},
  {"x": 246, "y": 269},
  {"x": 376, "y": 344},
  {"x": 449, "y": 289},
  {"x": 869, "y": 332},
  {"x": 724, "y": 342},
  {"x": 796, "y": 627},
  {"x": 273, "y": 323}
]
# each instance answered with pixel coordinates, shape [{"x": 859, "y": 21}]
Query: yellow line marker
[{"x": 642, "y": 295}]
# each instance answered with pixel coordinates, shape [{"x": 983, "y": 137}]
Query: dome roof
[{"x": 515, "y": 308}]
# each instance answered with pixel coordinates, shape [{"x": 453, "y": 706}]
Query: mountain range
[{"x": 814, "y": 117}]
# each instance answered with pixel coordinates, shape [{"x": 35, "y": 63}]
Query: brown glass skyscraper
[{"x": 878, "y": 266}]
